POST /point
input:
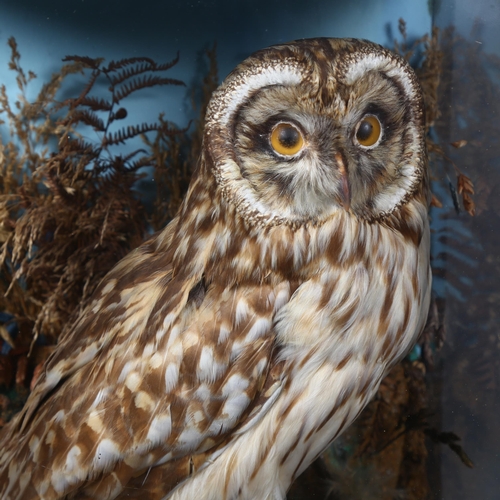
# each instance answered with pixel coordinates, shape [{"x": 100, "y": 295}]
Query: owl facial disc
[{"x": 355, "y": 110}]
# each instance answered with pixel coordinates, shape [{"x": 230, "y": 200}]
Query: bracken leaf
[{"x": 141, "y": 83}]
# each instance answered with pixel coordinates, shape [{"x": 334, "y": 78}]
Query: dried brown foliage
[
  {"x": 68, "y": 206},
  {"x": 176, "y": 156},
  {"x": 469, "y": 260},
  {"x": 429, "y": 74}
]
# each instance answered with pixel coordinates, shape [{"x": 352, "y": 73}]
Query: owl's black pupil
[
  {"x": 364, "y": 131},
  {"x": 288, "y": 137}
]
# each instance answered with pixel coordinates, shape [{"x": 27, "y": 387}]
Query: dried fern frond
[{"x": 68, "y": 214}]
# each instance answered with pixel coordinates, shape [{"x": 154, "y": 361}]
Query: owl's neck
[{"x": 211, "y": 238}]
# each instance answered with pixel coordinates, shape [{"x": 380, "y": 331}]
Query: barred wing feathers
[{"x": 159, "y": 370}]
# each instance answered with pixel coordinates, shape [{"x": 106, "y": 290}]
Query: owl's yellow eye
[
  {"x": 368, "y": 131},
  {"x": 286, "y": 139}
]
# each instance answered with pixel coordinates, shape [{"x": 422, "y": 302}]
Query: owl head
[{"x": 301, "y": 131}]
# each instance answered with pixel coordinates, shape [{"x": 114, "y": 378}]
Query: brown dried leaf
[
  {"x": 68, "y": 212},
  {"x": 465, "y": 187},
  {"x": 464, "y": 184},
  {"x": 4, "y": 333},
  {"x": 141, "y": 83},
  {"x": 435, "y": 202},
  {"x": 459, "y": 144},
  {"x": 89, "y": 62},
  {"x": 469, "y": 204}
]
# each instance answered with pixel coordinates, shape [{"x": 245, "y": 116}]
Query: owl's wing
[
  {"x": 160, "y": 369},
  {"x": 96, "y": 328}
]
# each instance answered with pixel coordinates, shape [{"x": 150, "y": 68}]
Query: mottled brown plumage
[{"x": 221, "y": 357}]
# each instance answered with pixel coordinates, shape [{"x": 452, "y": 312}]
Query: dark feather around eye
[
  {"x": 385, "y": 119},
  {"x": 259, "y": 134}
]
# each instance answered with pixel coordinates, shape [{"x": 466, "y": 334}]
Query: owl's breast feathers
[{"x": 170, "y": 364}]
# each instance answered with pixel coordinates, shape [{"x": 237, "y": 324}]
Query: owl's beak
[{"x": 345, "y": 190}]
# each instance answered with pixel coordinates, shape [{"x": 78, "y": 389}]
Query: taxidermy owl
[{"x": 221, "y": 357}]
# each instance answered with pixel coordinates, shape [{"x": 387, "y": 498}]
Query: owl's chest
[
  {"x": 367, "y": 297},
  {"x": 338, "y": 332}
]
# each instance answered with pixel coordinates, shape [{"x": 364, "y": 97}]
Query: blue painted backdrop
[{"x": 48, "y": 30}]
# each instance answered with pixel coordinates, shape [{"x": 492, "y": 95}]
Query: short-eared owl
[{"x": 220, "y": 358}]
